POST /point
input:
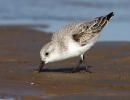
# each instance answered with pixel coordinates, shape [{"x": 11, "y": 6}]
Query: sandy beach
[{"x": 109, "y": 63}]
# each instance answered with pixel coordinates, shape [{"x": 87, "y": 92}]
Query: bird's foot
[{"x": 87, "y": 70}]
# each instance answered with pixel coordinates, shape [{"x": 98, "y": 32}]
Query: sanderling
[{"x": 73, "y": 40}]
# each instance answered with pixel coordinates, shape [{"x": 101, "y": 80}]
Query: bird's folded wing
[{"x": 87, "y": 32}]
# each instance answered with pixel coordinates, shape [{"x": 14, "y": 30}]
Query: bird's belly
[{"x": 75, "y": 49}]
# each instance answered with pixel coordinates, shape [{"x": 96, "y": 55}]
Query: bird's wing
[
  {"x": 64, "y": 31},
  {"x": 87, "y": 32}
]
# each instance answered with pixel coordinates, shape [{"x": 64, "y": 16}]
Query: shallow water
[
  {"x": 10, "y": 98},
  {"x": 58, "y": 13}
]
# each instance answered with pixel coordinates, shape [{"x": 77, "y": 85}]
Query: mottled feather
[{"x": 90, "y": 31}]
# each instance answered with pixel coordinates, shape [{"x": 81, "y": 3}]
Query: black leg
[
  {"x": 81, "y": 60},
  {"x": 87, "y": 69}
]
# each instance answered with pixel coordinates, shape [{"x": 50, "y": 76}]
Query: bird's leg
[
  {"x": 87, "y": 70},
  {"x": 80, "y": 61}
]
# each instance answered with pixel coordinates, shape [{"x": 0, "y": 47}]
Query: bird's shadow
[{"x": 66, "y": 69}]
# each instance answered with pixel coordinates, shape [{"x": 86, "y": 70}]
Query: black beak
[{"x": 41, "y": 66}]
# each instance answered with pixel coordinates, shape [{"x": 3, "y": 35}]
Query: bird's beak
[{"x": 41, "y": 66}]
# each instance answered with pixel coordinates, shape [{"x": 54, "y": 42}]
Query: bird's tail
[
  {"x": 100, "y": 22},
  {"x": 110, "y": 15}
]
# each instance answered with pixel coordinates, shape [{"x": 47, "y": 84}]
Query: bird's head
[{"x": 49, "y": 53}]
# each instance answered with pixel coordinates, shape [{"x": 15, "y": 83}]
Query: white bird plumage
[{"x": 73, "y": 40}]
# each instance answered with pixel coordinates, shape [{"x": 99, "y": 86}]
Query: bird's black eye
[{"x": 46, "y": 53}]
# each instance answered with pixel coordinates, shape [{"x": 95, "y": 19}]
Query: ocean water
[{"x": 58, "y": 13}]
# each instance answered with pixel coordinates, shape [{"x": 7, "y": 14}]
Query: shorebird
[{"x": 73, "y": 40}]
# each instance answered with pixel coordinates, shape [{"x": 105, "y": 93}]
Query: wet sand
[{"x": 109, "y": 63}]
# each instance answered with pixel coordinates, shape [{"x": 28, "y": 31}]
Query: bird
[{"x": 73, "y": 40}]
